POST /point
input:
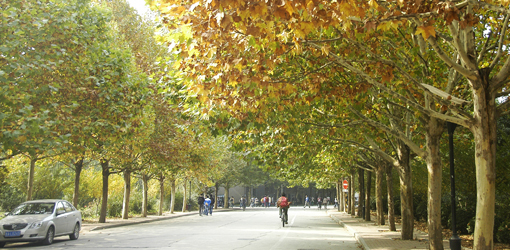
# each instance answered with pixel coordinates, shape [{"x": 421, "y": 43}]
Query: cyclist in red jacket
[{"x": 283, "y": 204}]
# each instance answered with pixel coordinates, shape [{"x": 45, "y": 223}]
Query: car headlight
[{"x": 36, "y": 225}]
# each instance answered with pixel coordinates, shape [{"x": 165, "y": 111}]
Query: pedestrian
[
  {"x": 336, "y": 202},
  {"x": 231, "y": 202},
  {"x": 319, "y": 202},
  {"x": 307, "y": 201},
  {"x": 200, "y": 204},
  {"x": 207, "y": 205},
  {"x": 212, "y": 205},
  {"x": 242, "y": 202},
  {"x": 325, "y": 202}
]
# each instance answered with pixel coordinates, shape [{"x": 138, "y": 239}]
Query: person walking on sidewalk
[
  {"x": 319, "y": 202},
  {"x": 212, "y": 205},
  {"x": 200, "y": 204},
  {"x": 207, "y": 205},
  {"x": 231, "y": 202},
  {"x": 307, "y": 201}
]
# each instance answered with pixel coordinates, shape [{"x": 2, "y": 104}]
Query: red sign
[{"x": 346, "y": 184}]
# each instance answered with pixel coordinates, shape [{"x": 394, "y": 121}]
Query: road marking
[{"x": 275, "y": 246}]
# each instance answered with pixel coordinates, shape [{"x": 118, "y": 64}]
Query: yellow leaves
[
  {"x": 307, "y": 27},
  {"x": 289, "y": 8},
  {"x": 259, "y": 10},
  {"x": 385, "y": 26},
  {"x": 172, "y": 9},
  {"x": 505, "y": 3},
  {"x": 426, "y": 31},
  {"x": 289, "y": 88},
  {"x": 373, "y": 3},
  {"x": 325, "y": 50},
  {"x": 238, "y": 64},
  {"x": 310, "y": 5}
]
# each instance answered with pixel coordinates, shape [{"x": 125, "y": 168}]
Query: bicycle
[{"x": 284, "y": 215}]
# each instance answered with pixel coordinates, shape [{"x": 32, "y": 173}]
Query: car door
[
  {"x": 61, "y": 222},
  {"x": 72, "y": 216}
]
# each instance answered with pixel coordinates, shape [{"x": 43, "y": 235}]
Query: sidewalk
[
  {"x": 373, "y": 237},
  {"x": 93, "y": 226}
]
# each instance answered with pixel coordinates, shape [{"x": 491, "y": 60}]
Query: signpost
[{"x": 345, "y": 185}]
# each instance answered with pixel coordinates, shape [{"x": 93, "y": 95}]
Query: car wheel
[
  {"x": 2, "y": 244},
  {"x": 76, "y": 232},
  {"x": 49, "y": 236}
]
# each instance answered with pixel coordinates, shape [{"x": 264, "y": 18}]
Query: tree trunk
[
  {"x": 227, "y": 196},
  {"x": 391, "y": 202},
  {"x": 367, "y": 200},
  {"x": 348, "y": 198},
  {"x": 216, "y": 187},
  {"x": 406, "y": 192},
  {"x": 361, "y": 197},
  {"x": 379, "y": 175},
  {"x": 172, "y": 196},
  {"x": 342, "y": 198},
  {"x": 78, "y": 167},
  {"x": 161, "y": 194},
  {"x": 104, "y": 201},
  {"x": 31, "y": 171},
  {"x": 352, "y": 203},
  {"x": 338, "y": 199},
  {"x": 484, "y": 131},
  {"x": 184, "y": 197},
  {"x": 145, "y": 199},
  {"x": 127, "y": 194},
  {"x": 434, "y": 131}
]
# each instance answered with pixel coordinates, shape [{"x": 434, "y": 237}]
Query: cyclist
[{"x": 283, "y": 204}]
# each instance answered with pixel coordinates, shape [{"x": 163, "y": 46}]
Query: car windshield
[{"x": 34, "y": 208}]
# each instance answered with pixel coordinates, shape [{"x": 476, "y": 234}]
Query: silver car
[{"x": 40, "y": 220}]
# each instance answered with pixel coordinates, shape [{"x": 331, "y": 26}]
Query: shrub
[
  {"x": 502, "y": 235},
  {"x": 420, "y": 207}
]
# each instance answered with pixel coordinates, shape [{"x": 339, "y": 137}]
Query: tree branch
[
  {"x": 500, "y": 42},
  {"x": 465, "y": 72},
  {"x": 393, "y": 132}
]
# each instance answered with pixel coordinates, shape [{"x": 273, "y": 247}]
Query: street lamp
[{"x": 455, "y": 241}]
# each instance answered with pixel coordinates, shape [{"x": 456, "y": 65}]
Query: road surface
[{"x": 253, "y": 229}]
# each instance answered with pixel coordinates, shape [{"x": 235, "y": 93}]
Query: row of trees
[
  {"x": 321, "y": 84},
  {"x": 91, "y": 83}
]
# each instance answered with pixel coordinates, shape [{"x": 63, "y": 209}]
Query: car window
[
  {"x": 68, "y": 206},
  {"x": 60, "y": 208},
  {"x": 33, "y": 208}
]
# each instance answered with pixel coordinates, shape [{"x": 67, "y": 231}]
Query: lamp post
[{"x": 455, "y": 241}]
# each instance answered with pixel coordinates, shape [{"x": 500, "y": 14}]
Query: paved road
[{"x": 256, "y": 228}]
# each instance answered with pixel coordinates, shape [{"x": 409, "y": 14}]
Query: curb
[
  {"x": 128, "y": 223},
  {"x": 356, "y": 235}
]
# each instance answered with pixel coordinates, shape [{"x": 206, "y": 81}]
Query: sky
[{"x": 139, "y": 5}]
